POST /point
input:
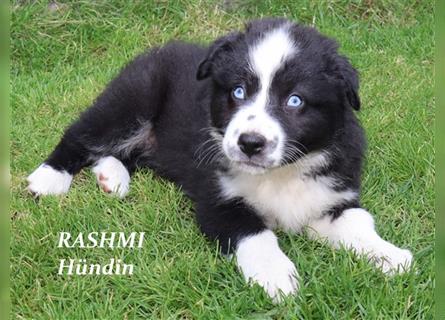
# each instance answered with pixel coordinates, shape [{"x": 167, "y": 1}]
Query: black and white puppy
[{"x": 258, "y": 130}]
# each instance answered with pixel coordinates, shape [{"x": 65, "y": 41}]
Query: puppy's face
[{"x": 280, "y": 91}]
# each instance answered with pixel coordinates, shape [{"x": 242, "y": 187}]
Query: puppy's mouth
[
  {"x": 254, "y": 165},
  {"x": 250, "y": 167},
  {"x": 250, "y": 163}
]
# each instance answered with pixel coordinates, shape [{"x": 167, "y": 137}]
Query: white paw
[
  {"x": 393, "y": 260},
  {"x": 48, "y": 181},
  {"x": 112, "y": 176},
  {"x": 354, "y": 230},
  {"x": 261, "y": 261}
]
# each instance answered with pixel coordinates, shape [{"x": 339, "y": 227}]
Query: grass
[{"x": 63, "y": 56}]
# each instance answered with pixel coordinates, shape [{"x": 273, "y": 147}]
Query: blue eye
[
  {"x": 238, "y": 93},
  {"x": 294, "y": 101}
]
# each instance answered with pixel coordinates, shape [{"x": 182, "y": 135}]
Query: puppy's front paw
[
  {"x": 112, "y": 176},
  {"x": 277, "y": 277},
  {"x": 393, "y": 260},
  {"x": 261, "y": 261}
]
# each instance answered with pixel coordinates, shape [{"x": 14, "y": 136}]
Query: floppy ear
[
  {"x": 349, "y": 76},
  {"x": 223, "y": 44}
]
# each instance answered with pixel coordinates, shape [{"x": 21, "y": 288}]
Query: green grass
[{"x": 62, "y": 59}]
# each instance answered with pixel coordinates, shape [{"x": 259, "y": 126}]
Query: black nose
[{"x": 251, "y": 143}]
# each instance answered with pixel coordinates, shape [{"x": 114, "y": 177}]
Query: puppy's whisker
[
  {"x": 201, "y": 147},
  {"x": 215, "y": 138},
  {"x": 209, "y": 150},
  {"x": 293, "y": 154},
  {"x": 207, "y": 154},
  {"x": 289, "y": 142}
]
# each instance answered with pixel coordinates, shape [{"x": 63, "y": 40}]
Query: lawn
[{"x": 63, "y": 55}]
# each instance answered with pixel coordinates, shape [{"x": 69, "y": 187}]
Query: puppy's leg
[
  {"x": 84, "y": 142},
  {"x": 259, "y": 257},
  {"x": 54, "y": 175},
  {"x": 354, "y": 229},
  {"x": 114, "y": 130},
  {"x": 261, "y": 260}
]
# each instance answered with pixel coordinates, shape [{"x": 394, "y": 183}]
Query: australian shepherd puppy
[{"x": 258, "y": 130}]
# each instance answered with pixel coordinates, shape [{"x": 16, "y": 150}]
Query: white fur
[
  {"x": 265, "y": 58},
  {"x": 269, "y": 54},
  {"x": 261, "y": 261},
  {"x": 354, "y": 229},
  {"x": 287, "y": 196},
  {"x": 112, "y": 176},
  {"x": 141, "y": 138},
  {"x": 46, "y": 180}
]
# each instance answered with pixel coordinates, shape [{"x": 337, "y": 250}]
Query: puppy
[{"x": 258, "y": 130}]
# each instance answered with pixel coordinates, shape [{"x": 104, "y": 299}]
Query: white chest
[{"x": 285, "y": 197}]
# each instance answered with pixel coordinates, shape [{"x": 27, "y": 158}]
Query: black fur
[{"x": 184, "y": 90}]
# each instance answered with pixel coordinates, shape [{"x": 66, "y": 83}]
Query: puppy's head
[{"x": 279, "y": 91}]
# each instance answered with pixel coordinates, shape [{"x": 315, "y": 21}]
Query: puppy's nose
[{"x": 251, "y": 143}]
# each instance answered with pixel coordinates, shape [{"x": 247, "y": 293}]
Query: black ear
[
  {"x": 349, "y": 76},
  {"x": 221, "y": 45}
]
